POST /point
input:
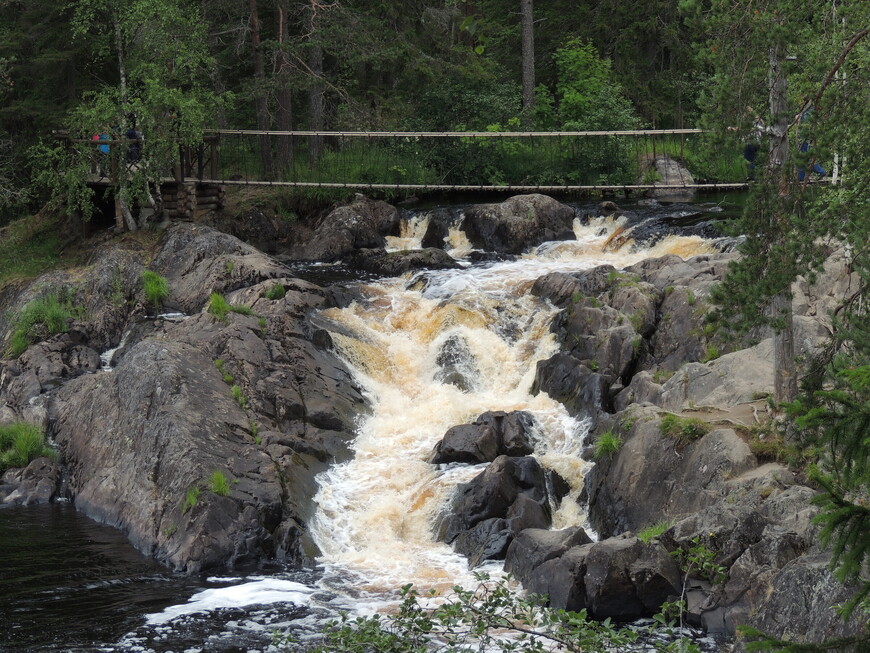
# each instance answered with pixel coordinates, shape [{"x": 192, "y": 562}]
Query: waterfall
[{"x": 376, "y": 512}]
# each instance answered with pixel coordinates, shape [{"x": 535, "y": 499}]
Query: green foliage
[
  {"x": 710, "y": 354},
  {"x": 653, "y": 531},
  {"x": 239, "y": 396},
  {"x": 229, "y": 266},
  {"x": 683, "y": 429},
  {"x": 836, "y": 417},
  {"x": 490, "y": 617},
  {"x": 156, "y": 288},
  {"x": 606, "y": 445},
  {"x": 190, "y": 498},
  {"x": 275, "y": 292},
  {"x": 28, "y": 247},
  {"x": 219, "y": 484},
  {"x": 39, "y": 319},
  {"x": 219, "y": 364},
  {"x": 220, "y": 307},
  {"x": 20, "y": 443}
]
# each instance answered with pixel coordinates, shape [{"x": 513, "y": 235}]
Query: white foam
[{"x": 256, "y": 592}]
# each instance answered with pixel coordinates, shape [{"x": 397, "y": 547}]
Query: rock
[
  {"x": 362, "y": 224},
  {"x": 568, "y": 381},
  {"x": 533, "y": 547},
  {"x": 620, "y": 577},
  {"x": 669, "y": 179},
  {"x": 493, "y": 434},
  {"x": 519, "y": 223},
  {"x": 395, "y": 264},
  {"x": 510, "y": 491},
  {"x": 35, "y": 484},
  {"x": 650, "y": 480},
  {"x": 456, "y": 363},
  {"x": 626, "y": 578},
  {"x": 466, "y": 443},
  {"x": 138, "y": 439},
  {"x": 197, "y": 261}
]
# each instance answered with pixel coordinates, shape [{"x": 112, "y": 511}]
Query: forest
[{"x": 424, "y": 65}]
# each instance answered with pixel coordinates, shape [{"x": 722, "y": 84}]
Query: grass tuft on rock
[
  {"x": 39, "y": 319},
  {"x": 21, "y": 443},
  {"x": 607, "y": 445},
  {"x": 220, "y": 307},
  {"x": 156, "y": 288},
  {"x": 683, "y": 429},
  {"x": 219, "y": 484}
]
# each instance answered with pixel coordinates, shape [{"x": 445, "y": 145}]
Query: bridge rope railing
[
  {"x": 473, "y": 161},
  {"x": 425, "y": 160}
]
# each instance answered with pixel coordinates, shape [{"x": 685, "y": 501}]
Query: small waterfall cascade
[{"x": 376, "y": 512}]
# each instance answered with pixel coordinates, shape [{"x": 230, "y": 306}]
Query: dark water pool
[{"x": 68, "y": 583}]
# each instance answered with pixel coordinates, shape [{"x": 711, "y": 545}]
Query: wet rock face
[
  {"x": 251, "y": 400},
  {"x": 35, "y": 484},
  {"x": 493, "y": 434},
  {"x": 620, "y": 577},
  {"x": 395, "y": 264},
  {"x": 486, "y": 513},
  {"x": 519, "y": 223}
]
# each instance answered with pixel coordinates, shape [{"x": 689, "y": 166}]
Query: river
[{"x": 69, "y": 584}]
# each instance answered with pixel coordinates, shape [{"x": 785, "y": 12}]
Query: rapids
[{"x": 376, "y": 513}]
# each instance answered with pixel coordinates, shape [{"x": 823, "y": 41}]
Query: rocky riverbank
[{"x": 257, "y": 397}]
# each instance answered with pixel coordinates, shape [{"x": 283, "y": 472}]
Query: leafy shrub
[
  {"x": 219, "y": 484},
  {"x": 156, "y": 288},
  {"x": 38, "y": 320},
  {"x": 683, "y": 429},
  {"x": 606, "y": 445},
  {"x": 276, "y": 292},
  {"x": 478, "y": 620},
  {"x": 20, "y": 443}
]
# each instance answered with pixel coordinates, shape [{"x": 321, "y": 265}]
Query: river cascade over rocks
[{"x": 440, "y": 419}]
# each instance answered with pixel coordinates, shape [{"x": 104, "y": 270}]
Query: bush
[
  {"x": 683, "y": 429},
  {"x": 156, "y": 288},
  {"x": 606, "y": 445},
  {"x": 239, "y": 396},
  {"x": 490, "y": 617},
  {"x": 38, "y": 320},
  {"x": 219, "y": 484},
  {"x": 20, "y": 443}
]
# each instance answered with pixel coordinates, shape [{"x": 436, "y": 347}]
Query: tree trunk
[
  {"x": 123, "y": 215},
  {"x": 285, "y": 107},
  {"x": 784, "y": 369},
  {"x": 261, "y": 97},
  {"x": 528, "y": 50},
  {"x": 315, "y": 93}
]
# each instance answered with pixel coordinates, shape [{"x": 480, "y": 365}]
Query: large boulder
[
  {"x": 362, "y": 224},
  {"x": 653, "y": 477},
  {"x": 620, "y": 577},
  {"x": 395, "y": 264},
  {"x": 493, "y": 434},
  {"x": 519, "y": 223},
  {"x": 485, "y": 514}
]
